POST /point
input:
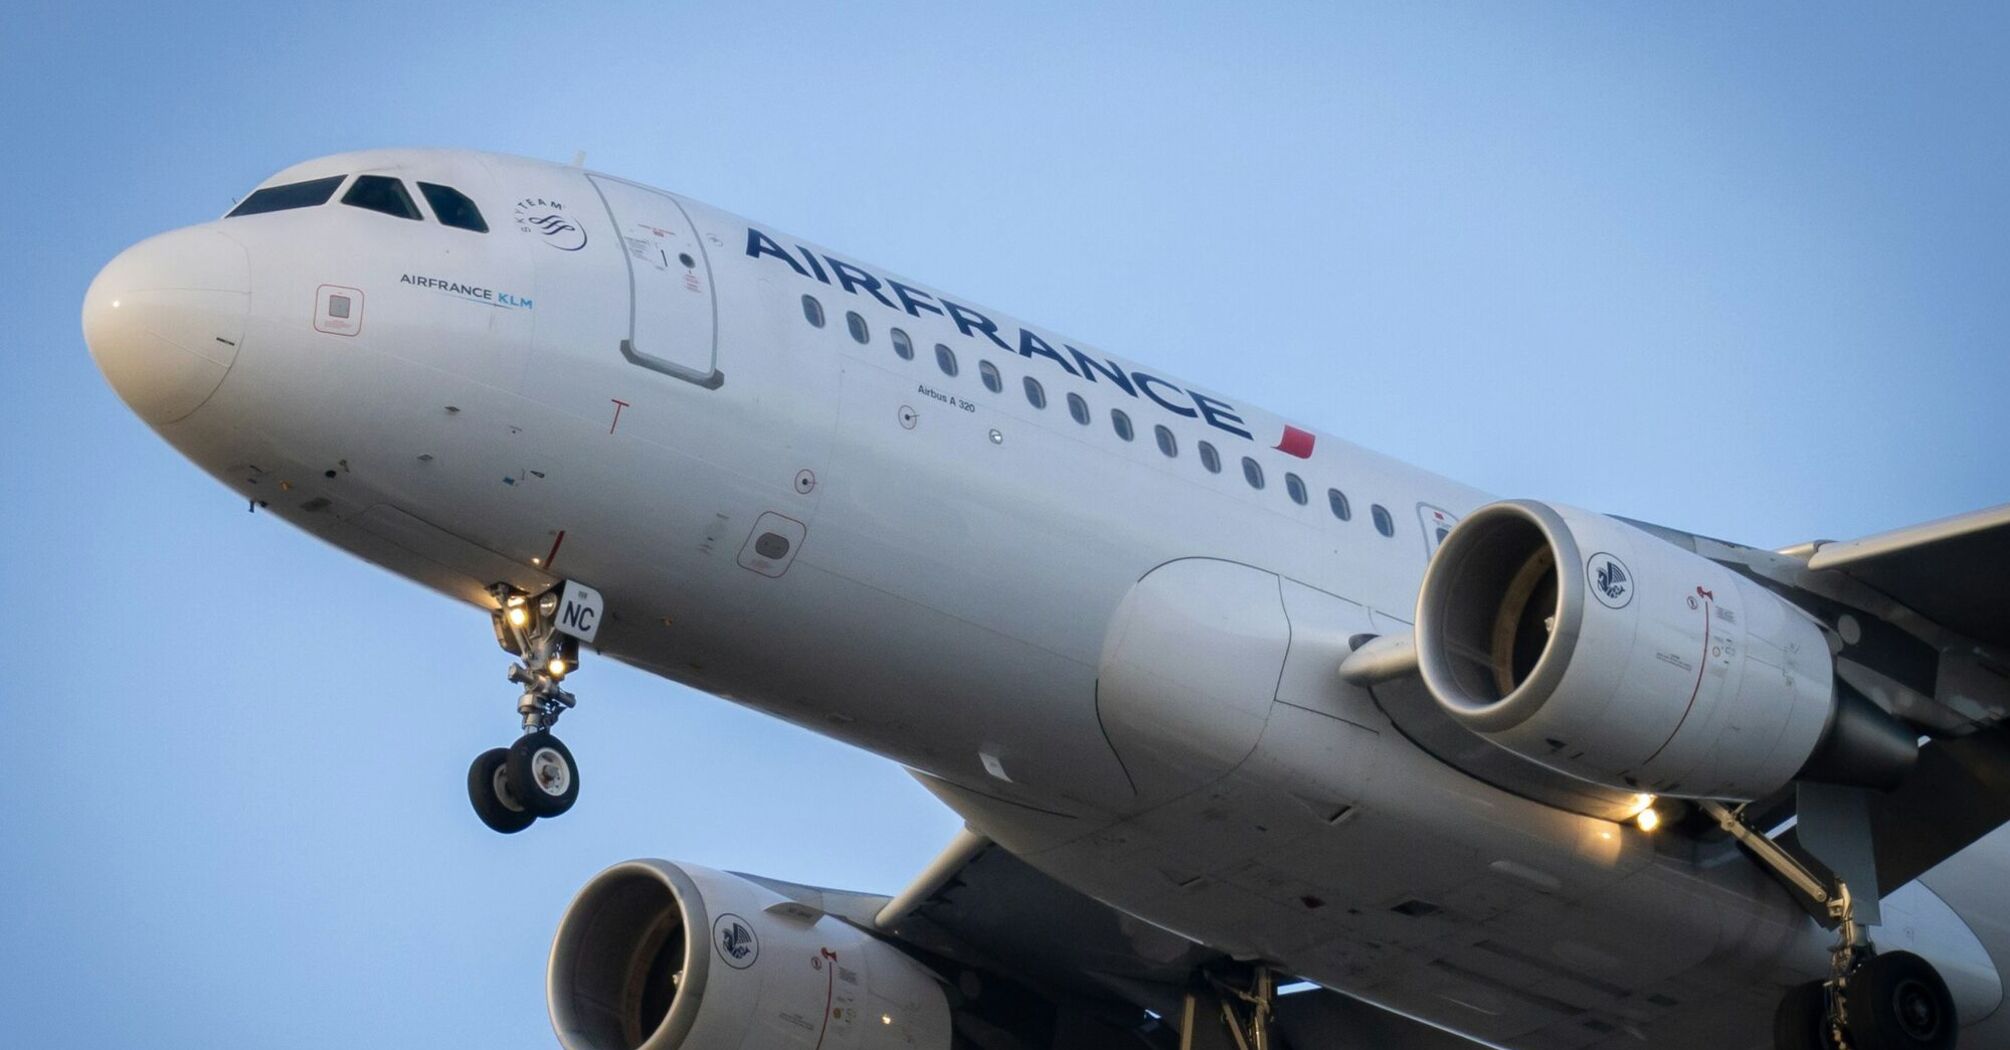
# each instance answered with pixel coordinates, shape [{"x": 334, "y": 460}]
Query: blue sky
[{"x": 1739, "y": 270}]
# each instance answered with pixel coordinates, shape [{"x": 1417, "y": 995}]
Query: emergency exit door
[{"x": 673, "y": 324}]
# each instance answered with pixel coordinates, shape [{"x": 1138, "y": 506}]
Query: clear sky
[{"x": 1738, "y": 269}]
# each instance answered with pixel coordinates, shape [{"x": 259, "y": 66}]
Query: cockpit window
[
  {"x": 453, "y": 208},
  {"x": 292, "y": 195},
  {"x": 381, "y": 193}
]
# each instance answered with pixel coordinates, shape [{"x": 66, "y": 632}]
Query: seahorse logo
[
  {"x": 736, "y": 941},
  {"x": 1611, "y": 584}
]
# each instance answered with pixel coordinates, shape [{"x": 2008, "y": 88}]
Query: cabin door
[{"x": 673, "y": 325}]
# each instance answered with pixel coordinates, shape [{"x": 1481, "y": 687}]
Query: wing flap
[{"x": 1951, "y": 571}]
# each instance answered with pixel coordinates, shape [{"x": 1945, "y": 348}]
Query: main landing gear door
[{"x": 672, "y": 323}]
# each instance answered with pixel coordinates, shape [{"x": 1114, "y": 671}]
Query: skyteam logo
[
  {"x": 550, "y": 223},
  {"x": 1611, "y": 584},
  {"x": 735, "y": 940}
]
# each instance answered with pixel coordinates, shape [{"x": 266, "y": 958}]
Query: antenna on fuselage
[{"x": 579, "y": 159}]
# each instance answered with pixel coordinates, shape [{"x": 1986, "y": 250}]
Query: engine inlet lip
[
  {"x": 568, "y": 943},
  {"x": 1447, "y": 570}
]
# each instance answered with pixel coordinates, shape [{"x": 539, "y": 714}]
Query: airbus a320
[{"x": 1231, "y": 708}]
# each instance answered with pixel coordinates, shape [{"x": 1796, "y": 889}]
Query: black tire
[
  {"x": 1801, "y": 1021},
  {"x": 489, "y": 792},
  {"x": 1897, "y": 1001},
  {"x": 543, "y": 774}
]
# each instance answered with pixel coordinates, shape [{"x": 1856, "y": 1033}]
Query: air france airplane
[{"x": 1261, "y": 739}]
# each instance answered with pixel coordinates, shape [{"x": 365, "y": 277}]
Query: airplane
[{"x": 1261, "y": 739}]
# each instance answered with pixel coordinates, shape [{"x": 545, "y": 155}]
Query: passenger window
[
  {"x": 946, "y": 358},
  {"x": 1078, "y": 408},
  {"x": 1167, "y": 444},
  {"x": 1036, "y": 395},
  {"x": 1121, "y": 423},
  {"x": 1209, "y": 458},
  {"x": 1253, "y": 472},
  {"x": 1295, "y": 485},
  {"x": 856, "y": 324},
  {"x": 307, "y": 194},
  {"x": 381, "y": 193},
  {"x": 1384, "y": 524},
  {"x": 453, "y": 208},
  {"x": 813, "y": 311},
  {"x": 1338, "y": 501},
  {"x": 902, "y": 345},
  {"x": 992, "y": 380}
]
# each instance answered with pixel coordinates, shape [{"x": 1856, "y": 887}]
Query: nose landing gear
[{"x": 536, "y": 776}]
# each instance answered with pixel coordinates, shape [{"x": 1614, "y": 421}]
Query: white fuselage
[{"x": 633, "y": 395}]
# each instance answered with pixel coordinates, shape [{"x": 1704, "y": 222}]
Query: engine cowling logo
[
  {"x": 1611, "y": 583},
  {"x": 734, "y": 938}
]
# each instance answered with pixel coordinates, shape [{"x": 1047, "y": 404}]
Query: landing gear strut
[
  {"x": 536, "y": 776},
  {"x": 1870, "y": 1000},
  {"x": 1246, "y": 1002}
]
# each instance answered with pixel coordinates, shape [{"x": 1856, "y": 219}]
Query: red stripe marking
[
  {"x": 1703, "y": 668},
  {"x": 1704, "y": 664},
  {"x": 830, "y": 994},
  {"x": 553, "y": 556},
  {"x": 1296, "y": 442}
]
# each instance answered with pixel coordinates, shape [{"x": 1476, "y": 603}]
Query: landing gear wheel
[
  {"x": 542, "y": 774},
  {"x": 1897, "y": 1001},
  {"x": 490, "y": 793},
  {"x": 1801, "y": 1022}
]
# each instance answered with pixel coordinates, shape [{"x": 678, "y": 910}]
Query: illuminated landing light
[
  {"x": 518, "y": 616},
  {"x": 1648, "y": 820},
  {"x": 556, "y": 667},
  {"x": 885, "y": 1018}
]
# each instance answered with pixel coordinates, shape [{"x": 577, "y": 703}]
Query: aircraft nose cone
[{"x": 164, "y": 319}]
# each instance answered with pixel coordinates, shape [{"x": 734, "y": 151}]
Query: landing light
[
  {"x": 556, "y": 667},
  {"x": 547, "y": 603},
  {"x": 1647, "y": 818},
  {"x": 885, "y": 1018},
  {"x": 517, "y": 616}
]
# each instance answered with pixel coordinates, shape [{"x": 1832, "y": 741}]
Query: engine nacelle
[
  {"x": 1594, "y": 648},
  {"x": 653, "y": 955}
]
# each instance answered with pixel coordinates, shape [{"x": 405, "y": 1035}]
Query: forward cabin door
[{"x": 673, "y": 323}]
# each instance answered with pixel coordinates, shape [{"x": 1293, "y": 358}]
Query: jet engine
[
  {"x": 1597, "y": 649},
  {"x": 653, "y": 955}
]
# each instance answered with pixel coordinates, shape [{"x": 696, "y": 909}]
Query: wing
[
  {"x": 983, "y": 908},
  {"x": 1016, "y": 944},
  {"x": 1951, "y": 571}
]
